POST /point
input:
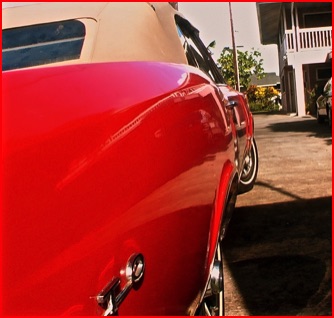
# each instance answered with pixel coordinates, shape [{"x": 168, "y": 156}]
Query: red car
[{"x": 123, "y": 154}]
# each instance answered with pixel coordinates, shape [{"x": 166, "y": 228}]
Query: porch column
[{"x": 299, "y": 88}]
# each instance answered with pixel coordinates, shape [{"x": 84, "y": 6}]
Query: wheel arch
[{"x": 228, "y": 181}]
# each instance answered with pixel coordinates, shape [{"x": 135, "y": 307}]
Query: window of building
[
  {"x": 42, "y": 44},
  {"x": 324, "y": 73},
  {"x": 317, "y": 20}
]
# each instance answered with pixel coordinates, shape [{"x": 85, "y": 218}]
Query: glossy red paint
[
  {"x": 102, "y": 161},
  {"x": 243, "y": 119},
  {"x": 229, "y": 172}
]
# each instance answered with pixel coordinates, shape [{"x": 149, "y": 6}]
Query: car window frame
[{"x": 190, "y": 32}]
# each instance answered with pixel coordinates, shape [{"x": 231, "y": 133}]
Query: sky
[{"x": 212, "y": 19}]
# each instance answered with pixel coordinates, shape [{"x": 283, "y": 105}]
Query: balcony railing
[
  {"x": 289, "y": 42},
  {"x": 307, "y": 39},
  {"x": 317, "y": 38}
]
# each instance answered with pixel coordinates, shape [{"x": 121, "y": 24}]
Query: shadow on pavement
[
  {"x": 310, "y": 126},
  {"x": 280, "y": 285},
  {"x": 279, "y": 256},
  {"x": 278, "y": 190}
]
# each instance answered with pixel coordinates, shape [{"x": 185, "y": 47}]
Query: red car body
[{"x": 103, "y": 161}]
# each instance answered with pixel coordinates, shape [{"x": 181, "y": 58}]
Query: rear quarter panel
[
  {"x": 243, "y": 122},
  {"x": 100, "y": 162}
]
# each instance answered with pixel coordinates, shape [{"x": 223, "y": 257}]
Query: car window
[
  {"x": 196, "y": 52},
  {"x": 328, "y": 88},
  {"x": 42, "y": 44},
  {"x": 194, "y": 57}
]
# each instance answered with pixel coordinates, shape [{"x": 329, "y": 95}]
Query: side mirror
[{"x": 231, "y": 104}]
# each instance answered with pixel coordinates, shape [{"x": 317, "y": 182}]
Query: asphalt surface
[{"x": 277, "y": 250}]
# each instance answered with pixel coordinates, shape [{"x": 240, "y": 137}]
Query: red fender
[{"x": 228, "y": 173}]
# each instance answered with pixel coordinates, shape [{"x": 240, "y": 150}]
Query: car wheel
[
  {"x": 320, "y": 119},
  {"x": 212, "y": 303},
  {"x": 330, "y": 116},
  {"x": 229, "y": 209},
  {"x": 249, "y": 171}
]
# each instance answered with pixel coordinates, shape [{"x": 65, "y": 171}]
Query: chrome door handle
[{"x": 108, "y": 298}]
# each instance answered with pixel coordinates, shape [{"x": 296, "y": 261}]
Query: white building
[{"x": 303, "y": 34}]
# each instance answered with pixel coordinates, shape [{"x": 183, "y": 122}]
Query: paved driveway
[{"x": 278, "y": 247}]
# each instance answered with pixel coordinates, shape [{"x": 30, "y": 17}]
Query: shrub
[{"x": 263, "y": 98}]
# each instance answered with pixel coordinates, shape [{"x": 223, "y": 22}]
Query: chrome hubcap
[
  {"x": 213, "y": 302},
  {"x": 248, "y": 166}
]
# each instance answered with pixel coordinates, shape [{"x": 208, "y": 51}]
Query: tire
[
  {"x": 320, "y": 118},
  {"x": 212, "y": 303},
  {"x": 229, "y": 208},
  {"x": 330, "y": 116},
  {"x": 249, "y": 170}
]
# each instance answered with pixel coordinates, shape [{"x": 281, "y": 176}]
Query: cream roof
[{"x": 121, "y": 31}]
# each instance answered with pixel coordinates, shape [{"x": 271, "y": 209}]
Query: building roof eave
[{"x": 268, "y": 18}]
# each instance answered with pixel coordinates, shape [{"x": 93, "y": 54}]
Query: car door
[{"x": 234, "y": 103}]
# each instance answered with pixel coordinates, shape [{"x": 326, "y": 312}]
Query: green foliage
[
  {"x": 262, "y": 98},
  {"x": 312, "y": 96},
  {"x": 249, "y": 63}
]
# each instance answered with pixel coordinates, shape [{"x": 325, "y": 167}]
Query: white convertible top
[{"x": 124, "y": 31}]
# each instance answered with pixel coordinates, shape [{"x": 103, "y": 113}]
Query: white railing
[
  {"x": 290, "y": 41},
  {"x": 307, "y": 39},
  {"x": 316, "y": 38},
  {"x": 286, "y": 45}
]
